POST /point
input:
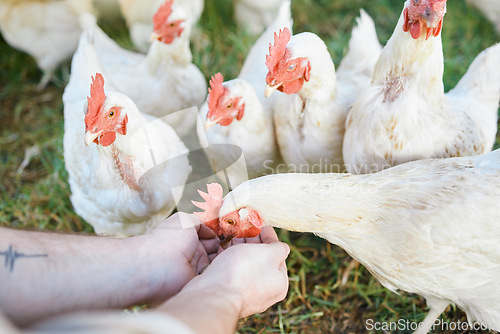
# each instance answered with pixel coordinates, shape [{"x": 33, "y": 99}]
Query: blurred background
[{"x": 327, "y": 294}]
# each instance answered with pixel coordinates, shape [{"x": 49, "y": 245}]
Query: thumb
[{"x": 281, "y": 251}]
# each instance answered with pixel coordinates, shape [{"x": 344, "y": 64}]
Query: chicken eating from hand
[{"x": 428, "y": 227}]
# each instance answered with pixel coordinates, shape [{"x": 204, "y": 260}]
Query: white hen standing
[
  {"x": 237, "y": 112},
  {"x": 138, "y": 14},
  {"x": 429, "y": 227},
  {"x": 163, "y": 81},
  {"x": 48, "y": 30},
  {"x": 405, "y": 114},
  {"x": 310, "y": 119},
  {"x": 126, "y": 178}
]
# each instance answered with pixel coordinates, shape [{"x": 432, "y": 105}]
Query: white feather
[
  {"x": 98, "y": 192},
  {"x": 405, "y": 114},
  {"x": 160, "y": 83},
  {"x": 310, "y": 124},
  {"x": 254, "y": 133},
  {"x": 428, "y": 227}
]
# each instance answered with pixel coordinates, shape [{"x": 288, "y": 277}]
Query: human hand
[
  {"x": 252, "y": 272},
  {"x": 173, "y": 253}
]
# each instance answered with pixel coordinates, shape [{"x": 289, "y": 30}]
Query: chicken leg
[{"x": 437, "y": 306}]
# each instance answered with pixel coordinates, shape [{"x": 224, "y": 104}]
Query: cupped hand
[
  {"x": 173, "y": 253},
  {"x": 253, "y": 271}
]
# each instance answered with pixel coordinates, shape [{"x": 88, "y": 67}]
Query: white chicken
[
  {"x": 48, "y": 30},
  {"x": 107, "y": 9},
  {"x": 310, "y": 118},
  {"x": 428, "y": 227},
  {"x": 490, "y": 9},
  {"x": 125, "y": 180},
  {"x": 237, "y": 112},
  {"x": 256, "y": 15},
  {"x": 405, "y": 114},
  {"x": 162, "y": 82},
  {"x": 138, "y": 14}
]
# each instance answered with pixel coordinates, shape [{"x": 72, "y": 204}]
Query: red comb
[
  {"x": 162, "y": 14},
  {"x": 96, "y": 99},
  {"x": 211, "y": 206},
  {"x": 215, "y": 91},
  {"x": 277, "y": 51}
]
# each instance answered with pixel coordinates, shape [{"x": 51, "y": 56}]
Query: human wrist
[
  {"x": 160, "y": 270},
  {"x": 206, "y": 306},
  {"x": 217, "y": 291}
]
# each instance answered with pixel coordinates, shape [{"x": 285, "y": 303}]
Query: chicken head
[
  {"x": 102, "y": 121},
  {"x": 166, "y": 29},
  {"x": 286, "y": 73},
  {"x": 242, "y": 223},
  {"x": 223, "y": 108},
  {"x": 420, "y": 14}
]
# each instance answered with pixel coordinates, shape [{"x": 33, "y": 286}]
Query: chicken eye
[
  {"x": 230, "y": 222},
  {"x": 229, "y": 106},
  {"x": 416, "y": 2},
  {"x": 291, "y": 68},
  {"x": 112, "y": 113},
  {"x": 172, "y": 25}
]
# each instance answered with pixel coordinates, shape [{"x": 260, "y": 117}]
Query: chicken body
[
  {"x": 138, "y": 14},
  {"x": 46, "y": 30},
  {"x": 428, "y": 227},
  {"x": 146, "y": 79},
  {"x": 254, "y": 131},
  {"x": 490, "y": 9},
  {"x": 255, "y": 16},
  {"x": 405, "y": 114},
  {"x": 107, "y": 9},
  {"x": 129, "y": 186},
  {"x": 310, "y": 123}
]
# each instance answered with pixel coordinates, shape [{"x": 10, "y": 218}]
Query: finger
[
  {"x": 200, "y": 259},
  {"x": 211, "y": 245},
  {"x": 254, "y": 240},
  {"x": 268, "y": 235},
  {"x": 186, "y": 220},
  {"x": 237, "y": 241},
  {"x": 205, "y": 232},
  {"x": 280, "y": 250}
]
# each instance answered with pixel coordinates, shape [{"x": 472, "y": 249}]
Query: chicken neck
[
  {"x": 407, "y": 63},
  {"x": 314, "y": 203}
]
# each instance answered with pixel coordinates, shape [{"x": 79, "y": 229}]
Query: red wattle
[
  {"x": 107, "y": 138},
  {"x": 406, "y": 24},
  {"x": 437, "y": 30},
  {"x": 429, "y": 33},
  {"x": 226, "y": 121},
  {"x": 292, "y": 87},
  {"x": 416, "y": 29}
]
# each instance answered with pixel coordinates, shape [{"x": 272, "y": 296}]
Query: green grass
[{"x": 318, "y": 300}]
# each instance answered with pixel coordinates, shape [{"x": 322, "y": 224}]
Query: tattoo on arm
[{"x": 11, "y": 256}]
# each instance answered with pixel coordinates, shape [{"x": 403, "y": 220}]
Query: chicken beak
[
  {"x": 208, "y": 124},
  {"x": 270, "y": 89},
  {"x": 430, "y": 18},
  {"x": 154, "y": 36},
  {"x": 225, "y": 240},
  {"x": 90, "y": 137}
]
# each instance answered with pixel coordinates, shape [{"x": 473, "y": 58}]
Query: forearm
[
  {"x": 204, "y": 307},
  {"x": 44, "y": 274}
]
